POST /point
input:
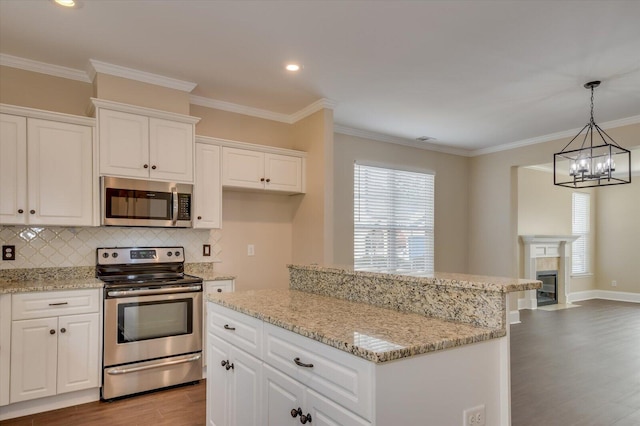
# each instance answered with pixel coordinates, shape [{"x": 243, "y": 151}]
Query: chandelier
[{"x": 599, "y": 160}]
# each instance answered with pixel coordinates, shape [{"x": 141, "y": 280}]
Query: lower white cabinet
[
  {"x": 212, "y": 287},
  {"x": 234, "y": 385},
  {"x": 54, "y": 354}
]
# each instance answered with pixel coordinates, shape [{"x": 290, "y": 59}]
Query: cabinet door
[
  {"x": 221, "y": 286},
  {"x": 246, "y": 389},
  {"x": 283, "y": 173},
  {"x": 325, "y": 412},
  {"x": 78, "y": 352},
  {"x": 33, "y": 358},
  {"x": 281, "y": 395},
  {"x": 171, "y": 150},
  {"x": 217, "y": 382},
  {"x": 13, "y": 169},
  {"x": 124, "y": 144},
  {"x": 242, "y": 168},
  {"x": 208, "y": 189},
  {"x": 60, "y": 170}
]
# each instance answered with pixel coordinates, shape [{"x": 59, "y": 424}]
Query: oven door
[{"x": 151, "y": 323}]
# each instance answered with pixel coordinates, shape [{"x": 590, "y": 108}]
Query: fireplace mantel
[{"x": 537, "y": 246}]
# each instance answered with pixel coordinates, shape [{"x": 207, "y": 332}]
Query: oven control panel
[{"x": 128, "y": 255}]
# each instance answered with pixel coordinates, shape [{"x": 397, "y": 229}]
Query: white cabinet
[
  {"x": 55, "y": 343},
  {"x": 250, "y": 169},
  {"x": 142, "y": 143},
  {"x": 46, "y": 172},
  {"x": 211, "y": 287},
  {"x": 5, "y": 347},
  {"x": 234, "y": 385},
  {"x": 208, "y": 189}
]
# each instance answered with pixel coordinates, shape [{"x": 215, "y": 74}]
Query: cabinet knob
[
  {"x": 146, "y": 166},
  {"x": 153, "y": 167},
  {"x": 32, "y": 211},
  {"x": 219, "y": 290},
  {"x": 261, "y": 179},
  {"x": 199, "y": 217},
  {"x": 295, "y": 413},
  {"x": 305, "y": 418},
  {"x": 20, "y": 211},
  {"x": 223, "y": 363},
  {"x": 268, "y": 180},
  {"x": 52, "y": 332},
  {"x": 63, "y": 330}
]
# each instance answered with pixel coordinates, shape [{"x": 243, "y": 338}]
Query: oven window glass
[
  {"x": 153, "y": 320},
  {"x": 128, "y": 204}
]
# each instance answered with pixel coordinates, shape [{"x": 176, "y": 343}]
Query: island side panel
[{"x": 436, "y": 388}]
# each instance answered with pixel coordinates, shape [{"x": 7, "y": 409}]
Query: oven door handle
[
  {"x": 116, "y": 371},
  {"x": 149, "y": 292},
  {"x": 174, "y": 196}
]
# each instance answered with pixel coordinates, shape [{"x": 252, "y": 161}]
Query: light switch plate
[{"x": 206, "y": 249}]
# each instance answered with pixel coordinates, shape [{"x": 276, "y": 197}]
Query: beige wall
[
  {"x": 230, "y": 125},
  {"x": 450, "y": 196},
  {"x": 493, "y": 235},
  {"x": 41, "y": 91},
  {"x": 618, "y": 228},
  {"x": 313, "y": 218},
  {"x": 147, "y": 95}
]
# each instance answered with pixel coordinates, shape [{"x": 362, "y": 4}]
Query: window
[
  {"x": 581, "y": 228},
  {"x": 393, "y": 220}
]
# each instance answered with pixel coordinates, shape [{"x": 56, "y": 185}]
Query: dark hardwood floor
[
  {"x": 181, "y": 406},
  {"x": 578, "y": 366}
]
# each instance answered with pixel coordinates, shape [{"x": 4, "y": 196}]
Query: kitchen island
[{"x": 349, "y": 347}]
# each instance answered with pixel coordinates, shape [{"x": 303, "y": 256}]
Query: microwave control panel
[{"x": 184, "y": 207}]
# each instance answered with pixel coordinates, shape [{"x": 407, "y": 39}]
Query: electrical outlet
[
  {"x": 8, "y": 252},
  {"x": 206, "y": 249},
  {"x": 251, "y": 250},
  {"x": 614, "y": 283},
  {"x": 475, "y": 416}
]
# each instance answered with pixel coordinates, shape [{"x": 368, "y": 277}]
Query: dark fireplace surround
[{"x": 548, "y": 293}]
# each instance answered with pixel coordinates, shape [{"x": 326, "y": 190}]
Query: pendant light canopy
[{"x": 595, "y": 159}]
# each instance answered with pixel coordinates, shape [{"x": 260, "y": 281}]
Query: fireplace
[{"x": 548, "y": 293}]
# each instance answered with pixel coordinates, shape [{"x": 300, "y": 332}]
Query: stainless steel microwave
[{"x": 135, "y": 202}]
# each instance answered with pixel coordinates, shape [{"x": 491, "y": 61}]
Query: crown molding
[
  {"x": 252, "y": 146},
  {"x": 381, "y": 137},
  {"x": 323, "y": 103},
  {"x": 46, "y": 115},
  {"x": 43, "y": 68},
  {"x": 239, "y": 109},
  {"x": 149, "y": 112},
  {"x": 145, "y": 77},
  {"x": 553, "y": 136}
]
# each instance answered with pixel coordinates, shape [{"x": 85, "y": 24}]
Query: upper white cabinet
[
  {"x": 46, "y": 170},
  {"x": 208, "y": 190},
  {"x": 145, "y": 143},
  {"x": 253, "y": 169}
]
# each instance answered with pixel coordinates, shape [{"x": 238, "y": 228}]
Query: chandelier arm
[
  {"x": 574, "y": 138},
  {"x": 601, "y": 132}
]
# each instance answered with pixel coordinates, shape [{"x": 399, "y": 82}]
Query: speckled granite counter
[
  {"x": 47, "y": 279},
  {"x": 204, "y": 270},
  {"x": 370, "y": 332}
]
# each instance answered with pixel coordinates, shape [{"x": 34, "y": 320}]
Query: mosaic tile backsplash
[{"x": 49, "y": 247}]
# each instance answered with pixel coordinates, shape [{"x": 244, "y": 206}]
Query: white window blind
[
  {"x": 393, "y": 220},
  {"x": 580, "y": 227}
]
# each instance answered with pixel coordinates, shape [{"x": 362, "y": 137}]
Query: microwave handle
[{"x": 174, "y": 197}]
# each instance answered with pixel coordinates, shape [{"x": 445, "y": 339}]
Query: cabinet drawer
[
  {"x": 241, "y": 330},
  {"x": 54, "y": 303},
  {"x": 342, "y": 377}
]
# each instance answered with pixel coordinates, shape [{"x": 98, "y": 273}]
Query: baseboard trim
[
  {"x": 26, "y": 408},
  {"x": 619, "y": 296},
  {"x": 514, "y": 317}
]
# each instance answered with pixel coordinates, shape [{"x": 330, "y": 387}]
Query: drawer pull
[
  {"x": 302, "y": 364},
  {"x": 226, "y": 364},
  {"x": 58, "y": 304},
  {"x": 226, "y": 327}
]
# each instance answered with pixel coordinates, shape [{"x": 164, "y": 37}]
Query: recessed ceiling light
[
  {"x": 67, "y": 3},
  {"x": 293, "y": 67}
]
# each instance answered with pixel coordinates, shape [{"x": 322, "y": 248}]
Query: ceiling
[{"x": 475, "y": 75}]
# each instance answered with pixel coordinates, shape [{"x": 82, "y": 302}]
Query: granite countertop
[
  {"x": 205, "y": 271},
  {"x": 474, "y": 282},
  {"x": 25, "y": 286},
  {"x": 373, "y": 333}
]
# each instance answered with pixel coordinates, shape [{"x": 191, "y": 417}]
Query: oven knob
[
  {"x": 105, "y": 255},
  {"x": 177, "y": 253},
  {"x": 114, "y": 254},
  {"x": 169, "y": 254}
]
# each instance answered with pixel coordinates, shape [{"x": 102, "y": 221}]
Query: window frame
[{"x": 581, "y": 227}]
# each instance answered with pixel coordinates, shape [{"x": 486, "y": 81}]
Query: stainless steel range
[{"x": 152, "y": 320}]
